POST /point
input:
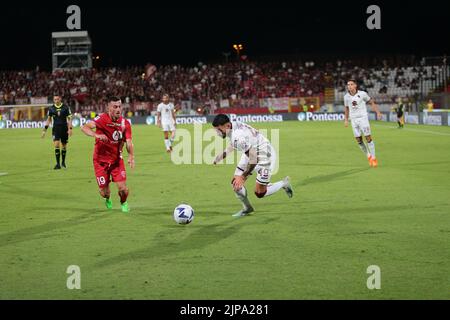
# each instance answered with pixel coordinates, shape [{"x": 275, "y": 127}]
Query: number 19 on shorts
[{"x": 101, "y": 181}]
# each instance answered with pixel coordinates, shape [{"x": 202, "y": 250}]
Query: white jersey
[
  {"x": 357, "y": 104},
  {"x": 166, "y": 112},
  {"x": 243, "y": 137}
]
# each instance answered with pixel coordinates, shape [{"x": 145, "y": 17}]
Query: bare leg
[
  {"x": 105, "y": 192},
  {"x": 362, "y": 146},
  {"x": 371, "y": 146},
  {"x": 167, "y": 141},
  {"x": 123, "y": 191}
]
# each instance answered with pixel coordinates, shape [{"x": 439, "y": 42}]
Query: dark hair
[
  {"x": 220, "y": 120},
  {"x": 113, "y": 99}
]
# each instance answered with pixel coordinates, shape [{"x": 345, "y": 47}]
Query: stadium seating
[
  {"x": 386, "y": 84},
  {"x": 86, "y": 90}
]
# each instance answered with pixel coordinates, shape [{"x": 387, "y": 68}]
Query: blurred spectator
[
  {"x": 86, "y": 90},
  {"x": 430, "y": 105}
]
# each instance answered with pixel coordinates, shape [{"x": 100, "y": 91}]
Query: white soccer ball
[{"x": 183, "y": 214}]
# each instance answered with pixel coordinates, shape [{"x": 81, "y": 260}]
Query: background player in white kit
[
  {"x": 166, "y": 121},
  {"x": 355, "y": 105},
  {"x": 257, "y": 155}
]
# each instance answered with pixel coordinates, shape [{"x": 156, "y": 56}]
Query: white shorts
[
  {"x": 167, "y": 126},
  {"x": 263, "y": 172},
  {"x": 361, "y": 126}
]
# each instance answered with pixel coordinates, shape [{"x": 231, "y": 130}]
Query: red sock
[{"x": 123, "y": 195}]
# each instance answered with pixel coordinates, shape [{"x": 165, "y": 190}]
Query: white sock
[
  {"x": 167, "y": 143},
  {"x": 371, "y": 146},
  {"x": 242, "y": 196},
  {"x": 363, "y": 148},
  {"x": 172, "y": 137},
  {"x": 272, "y": 188}
]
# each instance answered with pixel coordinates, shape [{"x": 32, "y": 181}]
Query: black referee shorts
[{"x": 60, "y": 133}]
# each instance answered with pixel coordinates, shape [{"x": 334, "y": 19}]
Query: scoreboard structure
[{"x": 71, "y": 50}]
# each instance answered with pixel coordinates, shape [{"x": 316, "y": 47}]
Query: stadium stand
[{"x": 247, "y": 81}]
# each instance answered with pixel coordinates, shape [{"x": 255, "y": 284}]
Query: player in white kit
[
  {"x": 257, "y": 155},
  {"x": 166, "y": 121},
  {"x": 355, "y": 106}
]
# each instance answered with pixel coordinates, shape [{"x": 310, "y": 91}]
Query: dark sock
[
  {"x": 57, "y": 155},
  {"x": 123, "y": 196},
  {"x": 63, "y": 153}
]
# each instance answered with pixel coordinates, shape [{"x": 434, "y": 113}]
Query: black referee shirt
[{"x": 59, "y": 115}]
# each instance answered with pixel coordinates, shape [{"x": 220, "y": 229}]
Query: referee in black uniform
[{"x": 62, "y": 129}]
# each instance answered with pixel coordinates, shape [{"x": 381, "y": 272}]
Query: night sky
[{"x": 134, "y": 34}]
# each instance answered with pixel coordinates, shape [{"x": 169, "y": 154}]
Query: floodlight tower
[{"x": 71, "y": 50}]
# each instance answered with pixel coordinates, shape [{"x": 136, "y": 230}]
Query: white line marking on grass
[
  {"x": 3, "y": 173},
  {"x": 416, "y": 130}
]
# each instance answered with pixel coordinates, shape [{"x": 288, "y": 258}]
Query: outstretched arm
[
  {"x": 253, "y": 161},
  {"x": 238, "y": 181},
  {"x": 224, "y": 154}
]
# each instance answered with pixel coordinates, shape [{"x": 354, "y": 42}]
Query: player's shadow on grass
[
  {"x": 332, "y": 176},
  {"x": 47, "y": 181},
  {"x": 345, "y": 211},
  {"x": 163, "y": 243},
  {"x": 318, "y": 164},
  {"x": 25, "y": 173},
  {"x": 413, "y": 164},
  {"x": 31, "y": 233},
  {"x": 32, "y": 192}
]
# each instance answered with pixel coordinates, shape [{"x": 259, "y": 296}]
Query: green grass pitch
[{"x": 343, "y": 218}]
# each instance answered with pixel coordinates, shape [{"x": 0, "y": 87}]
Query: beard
[{"x": 221, "y": 134}]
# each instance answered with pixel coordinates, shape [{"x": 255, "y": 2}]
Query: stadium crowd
[
  {"x": 202, "y": 82},
  {"x": 86, "y": 90}
]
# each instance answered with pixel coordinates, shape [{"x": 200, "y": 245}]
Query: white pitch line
[
  {"x": 416, "y": 130},
  {"x": 3, "y": 173}
]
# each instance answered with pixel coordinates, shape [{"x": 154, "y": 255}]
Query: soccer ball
[{"x": 183, "y": 214}]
